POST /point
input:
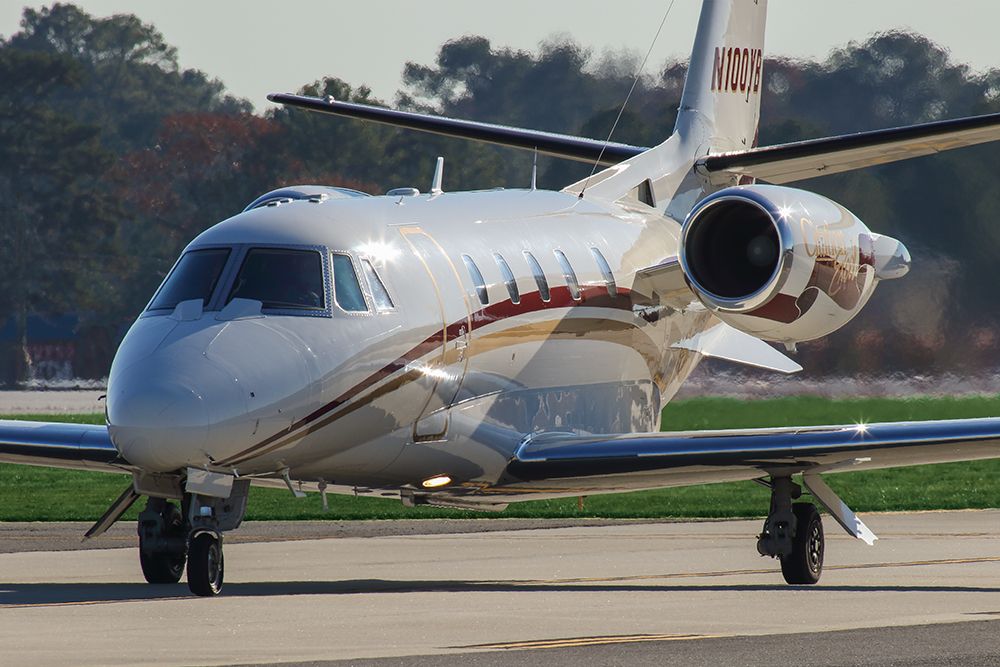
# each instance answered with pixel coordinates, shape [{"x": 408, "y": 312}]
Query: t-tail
[
  {"x": 715, "y": 137},
  {"x": 719, "y": 112},
  {"x": 720, "y": 106}
]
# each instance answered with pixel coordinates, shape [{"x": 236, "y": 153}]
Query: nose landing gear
[
  {"x": 205, "y": 566},
  {"x": 162, "y": 549},
  {"x": 170, "y": 537}
]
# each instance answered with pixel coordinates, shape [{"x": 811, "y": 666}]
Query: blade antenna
[
  {"x": 635, "y": 81},
  {"x": 534, "y": 170}
]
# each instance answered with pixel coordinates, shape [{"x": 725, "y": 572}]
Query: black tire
[
  {"x": 159, "y": 568},
  {"x": 205, "y": 567},
  {"x": 805, "y": 564},
  {"x": 163, "y": 567}
]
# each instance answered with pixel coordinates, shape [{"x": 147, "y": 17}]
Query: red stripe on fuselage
[{"x": 592, "y": 296}]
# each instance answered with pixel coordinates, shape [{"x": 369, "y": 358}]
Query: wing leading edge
[
  {"x": 647, "y": 460},
  {"x": 59, "y": 445}
]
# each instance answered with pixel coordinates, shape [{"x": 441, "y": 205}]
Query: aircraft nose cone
[{"x": 158, "y": 423}]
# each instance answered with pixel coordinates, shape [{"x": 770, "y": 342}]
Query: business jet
[{"x": 474, "y": 349}]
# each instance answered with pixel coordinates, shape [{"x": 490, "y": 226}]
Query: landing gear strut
[
  {"x": 207, "y": 517},
  {"x": 793, "y": 533}
]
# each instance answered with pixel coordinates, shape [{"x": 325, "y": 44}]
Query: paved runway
[{"x": 691, "y": 593}]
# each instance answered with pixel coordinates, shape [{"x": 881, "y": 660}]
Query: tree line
[{"x": 113, "y": 157}]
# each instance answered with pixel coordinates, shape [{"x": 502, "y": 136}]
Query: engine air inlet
[{"x": 731, "y": 249}]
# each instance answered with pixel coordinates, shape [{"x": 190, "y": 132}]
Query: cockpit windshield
[
  {"x": 194, "y": 277},
  {"x": 281, "y": 279}
]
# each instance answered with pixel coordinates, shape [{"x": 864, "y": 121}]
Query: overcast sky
[{"x": 256, "y": 47}]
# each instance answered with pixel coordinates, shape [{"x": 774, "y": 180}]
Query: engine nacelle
[{"x": 784, "y": 264}]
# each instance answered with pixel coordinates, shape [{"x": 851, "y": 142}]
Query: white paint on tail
[{"x": 719, "y": 110}]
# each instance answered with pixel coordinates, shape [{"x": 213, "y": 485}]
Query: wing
[
  {"x": 648, "y": 460},
  {"x": 819, "y": 157},
  {"x": 59, "y": 445}
]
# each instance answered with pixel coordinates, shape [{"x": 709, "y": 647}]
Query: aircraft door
[{"x": 444, "y": 369}]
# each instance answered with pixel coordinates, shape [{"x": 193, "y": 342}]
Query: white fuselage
[{"x": 440, "y": 383}]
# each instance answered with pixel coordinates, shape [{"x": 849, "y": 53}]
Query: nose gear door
[{"x": 443, "y": 369}]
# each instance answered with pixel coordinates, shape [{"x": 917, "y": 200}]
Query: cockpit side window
[
  {"x": 281, "y": 279},
  {"x": 346, "y": 288},
  {"x": 194, "y": 277},
  {"x": 380, "y": 295}
]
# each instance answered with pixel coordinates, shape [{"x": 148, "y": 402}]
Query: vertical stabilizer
[
  {"x": 719, "y": 111},
  {"x": 723, "y": 85}
]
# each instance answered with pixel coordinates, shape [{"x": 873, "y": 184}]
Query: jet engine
[{"x": 783, "y": 264}]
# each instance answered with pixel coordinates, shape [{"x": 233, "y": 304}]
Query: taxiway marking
[{"x": 586, "y": 641}]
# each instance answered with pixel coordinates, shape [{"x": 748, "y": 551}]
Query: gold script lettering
[{"x": 830, "y": 246}]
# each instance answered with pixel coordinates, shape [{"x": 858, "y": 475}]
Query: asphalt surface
[
  {"x": 972, "y": 644},
  {"x": 420, "y": 593},
  {"x": 16, "y": 537}
]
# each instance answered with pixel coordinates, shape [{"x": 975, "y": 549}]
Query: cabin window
[
  {"x": 609, "y": 278},
  {"x": 346, "y": 288},
  {"x": 281, "y": 279},
  {"x": 194, "y": 277},
  {"x": 568, "y": 274},
  {"x": 380, "y": 295},
  {"x": 477, "y": 279},
  {"x": 536, "y": 270},
  {"x": 508, "y": 278}
]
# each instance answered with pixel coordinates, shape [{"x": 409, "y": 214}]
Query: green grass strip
[{"x": 41, "y": 494}]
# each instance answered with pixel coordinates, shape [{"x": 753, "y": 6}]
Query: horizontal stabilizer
[
  {"x": 819, "y": 157},
  {"x": 779, "y": 164},
  {"x": 547, "y": 143}
]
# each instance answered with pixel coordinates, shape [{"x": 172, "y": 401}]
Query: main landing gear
[
  {"x": 170, "y": 536},
  {"x": 793, "y": 532}
]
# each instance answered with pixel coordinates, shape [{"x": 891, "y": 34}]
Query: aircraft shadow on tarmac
[{"x": 55, "y": 594}]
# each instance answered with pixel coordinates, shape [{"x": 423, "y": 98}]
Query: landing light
[
  {"x": 436, "y": 481},
  {"x": 861, "y": 428}
]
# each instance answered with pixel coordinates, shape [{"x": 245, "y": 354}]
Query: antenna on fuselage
[
  {"x": 534, "y": 169},
  {"x": 438, "y": 177},
  {"x": 638, "y": 75}
]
